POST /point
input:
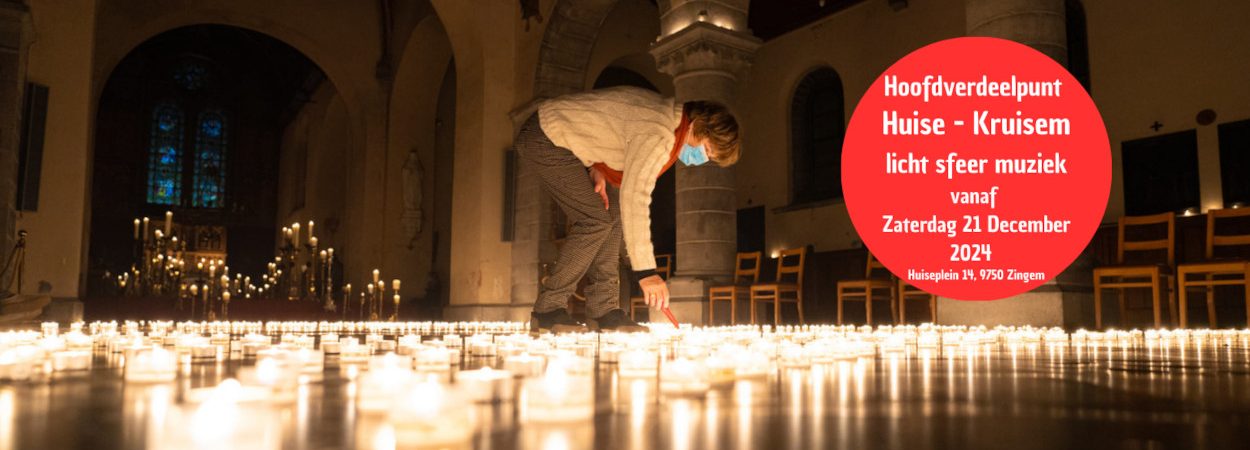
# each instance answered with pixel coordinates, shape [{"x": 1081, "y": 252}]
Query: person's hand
[
  {"x": 601, "y": 186},
  {"x": 655, "y": 291}
]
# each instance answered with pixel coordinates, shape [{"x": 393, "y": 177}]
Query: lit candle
[
  {"x": 227, "y": 416},
  {"x": 151, "y": 364},
  {"x": 558, "y": 396},
  {"x": 683, "y": 376},
  {"x": 312, "y": 241},
  {"x": 395, "y": 284},
  {"x": 310, "y": 230},
  {"x": 486, "y": 385},
  {"x": 136, "y": 229},
  {"x": 295, "y": 231},
  {"x": 376, "y": 275},
  {"x": 428, "y": 414},
  {"x": 524, "y": 365},
  {"x": 386, "y": 376},
  {"x": 638, "y": 363},
  {"x": 145, "y": 228},
  {"x": 169, "y": 222}
]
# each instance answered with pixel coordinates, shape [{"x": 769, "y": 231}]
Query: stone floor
[{"x": 980, "y": 396}]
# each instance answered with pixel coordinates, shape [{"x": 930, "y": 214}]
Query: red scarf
[{"x": 614, "y": 176}]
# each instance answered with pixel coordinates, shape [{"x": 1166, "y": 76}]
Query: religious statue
[{"x": 412, "y": 216}]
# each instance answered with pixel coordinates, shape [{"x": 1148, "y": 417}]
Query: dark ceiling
[
  {"x": 771, "y": 18},
  {"x": 283, "y": 77}
]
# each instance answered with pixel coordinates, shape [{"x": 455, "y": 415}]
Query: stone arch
[
  {"x": 567, "y": 45},
  {"x": 333, "y": 41},
  {"x": 106, "y": 59}
]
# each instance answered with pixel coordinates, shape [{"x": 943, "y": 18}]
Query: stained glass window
[
  {"x": 191, "y": 75},
  {"x": 210, "y": 160},
  {"x": 165, "y": 156}
]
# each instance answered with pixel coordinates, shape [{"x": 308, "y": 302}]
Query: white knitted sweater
[{"x": 628, "y": 129}]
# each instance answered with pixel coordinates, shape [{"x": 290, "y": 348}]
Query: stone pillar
[
  {"x": 1035, "y": 23},
  {"x": 1067, "y": 300},
  {"x": 705, "y": 47},
  {"x": 14, "y": 32}
]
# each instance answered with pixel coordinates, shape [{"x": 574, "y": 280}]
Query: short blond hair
[{"x": 713, "y": 121}]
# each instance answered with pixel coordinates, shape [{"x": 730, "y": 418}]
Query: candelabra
[{"x": 300, "y": 271}]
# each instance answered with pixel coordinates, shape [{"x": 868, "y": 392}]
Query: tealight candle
[
  {"x": 524, "y": 365},
  {"x": 151, "y": 364},
  {"x": 638, "y": 363},
  {"x": 430, "y": 415},
  {"x": 558, "y": 396},
  {"x": 433, "y": 359},
  {"x": 380, "y": 383},
  {"x": 227, "y": 416},
  {"x": 683, "y": 376},
  {"x": 486, "y": 385}
]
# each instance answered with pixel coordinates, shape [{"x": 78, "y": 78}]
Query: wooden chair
[
  {"x": 1157, "y": 277},
  {"x": 1216, "y": 271},
  {"x": 865, "y": 290},
  {"x": 746, "y": 273},
  {"x": 663, "y": 268},
  {"x": 787, "y": 288},
  {"x": 906, "y": 291}
]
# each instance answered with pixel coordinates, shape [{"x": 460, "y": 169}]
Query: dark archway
[
  {"x": 191, "y": 121},
  {"x": 817, "y": 125}
]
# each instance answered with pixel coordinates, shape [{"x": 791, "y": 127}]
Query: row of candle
[{"x": 413, "y": 385}]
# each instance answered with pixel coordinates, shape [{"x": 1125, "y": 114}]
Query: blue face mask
[{"x": 692, "y": 156}]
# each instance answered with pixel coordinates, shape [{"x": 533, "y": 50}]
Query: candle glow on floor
[{"x": 471, "y": 384}]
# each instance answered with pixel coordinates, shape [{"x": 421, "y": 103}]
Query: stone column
[
  {"x": 1035, "y": 23},
  {"x": 1067, "y": 300},
  {"x": 705, "y": 47},
  {"x": 14, "y": 32}
]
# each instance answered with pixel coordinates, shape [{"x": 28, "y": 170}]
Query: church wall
[
  {"x": 414, "y": 98},
  {"x": 60, "y": 58},
  {"x": 1157, "y": 60},
  {"x": 488, "y": 42}
]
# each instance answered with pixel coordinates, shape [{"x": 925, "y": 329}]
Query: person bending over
[{"x": 599, "y": 153}]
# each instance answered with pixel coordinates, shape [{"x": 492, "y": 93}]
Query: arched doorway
[{"x": 194, "y": 121}]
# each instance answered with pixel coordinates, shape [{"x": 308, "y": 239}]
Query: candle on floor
[
  {"x": 683, "y": 377},
  {"x": 433, "y": 359},
  {"x": 378, "y": 386},
  {"x": 558, "y": 396},
  {"x": 429, "y": 414},
  {"x": 638, "y": 363},
  {"x": 486, "y": 385},
  {"x": 151, "y": 364},
  {"x": 524, "y": 365},
  {"x": 226, "y": 416}
]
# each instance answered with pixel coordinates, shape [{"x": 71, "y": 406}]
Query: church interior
[{"x": 304, "y": 224}]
